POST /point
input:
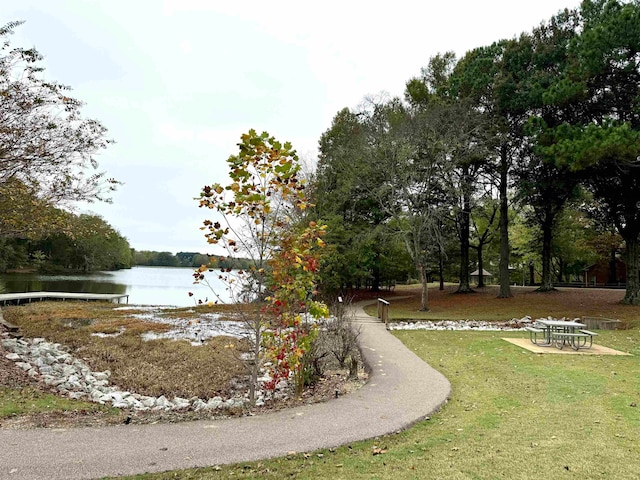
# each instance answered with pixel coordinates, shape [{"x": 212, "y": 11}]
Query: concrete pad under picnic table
[{"x": 594, "y": 350}]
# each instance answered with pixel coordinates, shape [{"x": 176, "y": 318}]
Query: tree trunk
[
  {"x": 441, "y": 271},
  {"x": 532, "y": 274},
  {"x": 376, "y": 274},
  {"x": 464, "y": 286},
  {"x": 546, "y": 284},
  {"x": 560, "y": 269},
  {"x": 613, "y": 273},
  {"x": 632, "y": 294},
  {"x": 480, "y": 267},
  {"x": 424, "y": 300},
  {"x": 505, "y": 287}
]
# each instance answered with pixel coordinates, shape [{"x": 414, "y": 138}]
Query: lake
[{"x": 144, "y": 285}]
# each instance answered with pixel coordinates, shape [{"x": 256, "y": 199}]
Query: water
[{"x": 144, "y": 285}]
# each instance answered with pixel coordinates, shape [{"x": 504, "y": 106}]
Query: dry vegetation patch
[{"x": 154, "y": 367}]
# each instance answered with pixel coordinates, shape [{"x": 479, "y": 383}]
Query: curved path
[{"x": 402, "y": 389}]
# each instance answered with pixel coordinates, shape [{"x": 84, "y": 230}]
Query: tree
[
  {"x": 411, "y": 148},
  {"x": 544, "y": 184},
  {"x": 468, "y": 151},
  {"x": 261, "y": 210},
  {"x": 602, "y": 84},
  {"x": 483, "y": 222},
  {"x": 46, "y": 147},
  {"x": 25, "y": 215},
  {"x": 485, "y": 77},
  {"x": 91, "y": 245},
  {"x": 344, "y": 194}
]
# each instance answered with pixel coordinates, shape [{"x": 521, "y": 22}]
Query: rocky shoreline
[{"x": 71, "y": 377}]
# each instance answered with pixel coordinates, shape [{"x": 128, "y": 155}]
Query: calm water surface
[{"x": 144, "y": 285}]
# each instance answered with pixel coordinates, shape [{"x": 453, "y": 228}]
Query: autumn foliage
[{"x": 261, "y": 216}]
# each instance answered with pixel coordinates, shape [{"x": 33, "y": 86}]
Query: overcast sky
[{"x": 177, "y": 82}]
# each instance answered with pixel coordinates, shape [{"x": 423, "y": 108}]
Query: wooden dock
[{"x": 28, "y": 297}]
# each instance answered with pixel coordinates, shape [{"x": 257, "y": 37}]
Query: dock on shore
[{"x": 28, "y": 297}]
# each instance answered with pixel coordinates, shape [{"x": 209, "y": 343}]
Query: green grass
[
  {"x": 513, "y": 415},
  {"x": 26, "y": 401}
]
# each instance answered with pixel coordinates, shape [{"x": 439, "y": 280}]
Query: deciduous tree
[
  {"x": 46, "y": 146},
  {"x": 262, "y": 211}
]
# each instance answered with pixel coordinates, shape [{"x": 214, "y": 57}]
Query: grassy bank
[{"x": 513, "y": 415}]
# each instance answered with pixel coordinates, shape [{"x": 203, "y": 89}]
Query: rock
[
  {"x": 75, "y": 379},
  {"x": 162, "y": 402},
  {"x": 24, "y": 366},
  {"x": 96, "y": 395},
  {"x": 148, "y": 402},
  {"x": 199, "y": 405},
  {"x": 181, "y": 402},
  {"x": 9, "y": 343},
  {"x": 101, "y": 375}
]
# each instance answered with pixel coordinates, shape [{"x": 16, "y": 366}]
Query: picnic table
[{"x": 560, "y": 333}]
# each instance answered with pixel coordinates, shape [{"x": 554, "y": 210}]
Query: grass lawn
[{"x": 513, "y": 414}]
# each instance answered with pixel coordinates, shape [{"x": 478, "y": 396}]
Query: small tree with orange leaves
[{"x": 261, "y": 218}]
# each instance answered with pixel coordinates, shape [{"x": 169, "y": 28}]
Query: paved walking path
[{"x": 402, "y": 389}]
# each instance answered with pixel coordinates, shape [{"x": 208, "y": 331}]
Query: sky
[{"x": 176, "y": 82}]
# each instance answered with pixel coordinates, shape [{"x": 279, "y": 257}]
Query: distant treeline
[
  {"x": 87, "y": 243},
  {"x": 187, "y": 259}
]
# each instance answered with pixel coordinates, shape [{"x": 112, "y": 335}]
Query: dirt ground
[{"x": 483, "y": 304}]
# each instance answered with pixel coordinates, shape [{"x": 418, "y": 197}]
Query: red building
[{"x": 600, "y": 273}]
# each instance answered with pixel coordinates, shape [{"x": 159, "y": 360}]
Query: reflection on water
[{"x": 144, "y": 285}]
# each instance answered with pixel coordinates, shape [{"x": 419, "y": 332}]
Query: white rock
[
  {"x": 148, "y": 401},
  {"x": 101, "y": 375},
  {"x": 199, "y": 405},
  {"x": 96, "y": 395},
  {"x": 181, "y": 402},
  {"x": 13, "y": 356},
  {"x": 162, "y": 402},
  {"x": 24, "y": 366}
]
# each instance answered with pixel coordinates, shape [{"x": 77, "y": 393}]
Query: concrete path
[{"x": 402, "y": 389}]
